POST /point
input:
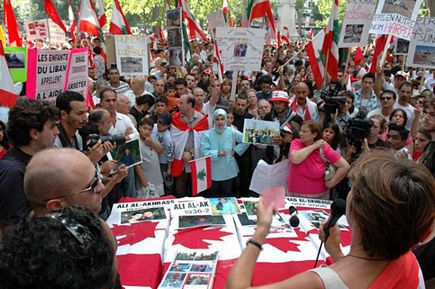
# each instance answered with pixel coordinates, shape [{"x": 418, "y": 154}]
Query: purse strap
[{"x": 322, "y": 155}]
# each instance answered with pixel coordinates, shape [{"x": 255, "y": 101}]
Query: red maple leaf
[
  {"x": 285, "y": 244},
  {"x": 135, "y": 232},
  {"x": 194, "y": 238}
]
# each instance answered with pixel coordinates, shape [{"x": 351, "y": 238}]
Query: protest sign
[
  {"x": 215, "y": 19},
  {"x": 16, "y": 58},
  {"x": 396, "y": 18},
  {"x": 260, "y": 131},
  {"x": 131, "y": 54},
  {"x": 173, "y": 17},
  {"x": 46, "y": 73},
  {"x": 46, "y": 30},
  {"x": 241, "y": 48},
  {"x": 77, "y": 79},
  {"x": 193, "y": 206},
  {"x": 268, "y": 176},
  {"x": 421, "y": 51},
  {"x": 356, "y": 23}
]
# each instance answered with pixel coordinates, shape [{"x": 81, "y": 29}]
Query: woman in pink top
[{"x": 307, "y": 168}]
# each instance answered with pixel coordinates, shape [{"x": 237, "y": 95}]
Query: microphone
[
  {"x": 338, "y": 209},
  {"x": 294, "y": 220}
]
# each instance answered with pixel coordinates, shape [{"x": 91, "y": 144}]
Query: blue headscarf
[{"x": 216, "y": 113}]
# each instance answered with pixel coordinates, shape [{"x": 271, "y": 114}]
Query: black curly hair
[
  {"x": 5, "y": 141},
  {"x": 28, "y": 114},
  {"x": 41, "y": 252}
]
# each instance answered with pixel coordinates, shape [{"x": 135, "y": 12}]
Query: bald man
[
  {"x": 58, "y": 178},
  {"x": 302, "y": 105}
]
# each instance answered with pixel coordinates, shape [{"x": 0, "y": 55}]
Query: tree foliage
[{"x": 324, "y": 8}]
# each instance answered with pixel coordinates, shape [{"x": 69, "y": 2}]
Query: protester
[
  {"x": 31, "y": 128},
  {"x": 4, "y": 140},
  {"x": 400, "y": 192}
]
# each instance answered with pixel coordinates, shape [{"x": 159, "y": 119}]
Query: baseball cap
[
  {"x": 279, "y": 95},
  {"x": 401, "y": 73}
]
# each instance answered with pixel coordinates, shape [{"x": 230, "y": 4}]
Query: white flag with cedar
[
  {"x": 101, "y": 14},
  {"x": 119, "y": 24},
  {"x": 201, "y": 174},
  {"x": 194, "y": 29},
  {"x": 330, "y": 44},
  {"x": 314, "y": 51},
  {"x": 218, "y": 65},
  {"x": 88, "y": 20}
]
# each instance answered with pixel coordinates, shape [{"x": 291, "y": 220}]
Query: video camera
[
  {"x": 117, "y": 139},
  {"x": 331, "y": 98},
  {"x": 357, "y": 130}
]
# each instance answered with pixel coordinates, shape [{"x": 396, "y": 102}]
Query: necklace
[{"x": 365, "y": 258}]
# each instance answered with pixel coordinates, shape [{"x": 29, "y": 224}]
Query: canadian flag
[
  {"x": 314, "y": 51},
  {"x": 194, "y": 28},
  {"x": 99, "y": 8},
  {"x": 8, "y": 97},
  {"x": 119, "y": 24},
  {"x": 88, "y": 21},
  {"x": 218, "y": 62},
  {"x": 201, "y": 174},
  {"x": 330, "y": 44}
]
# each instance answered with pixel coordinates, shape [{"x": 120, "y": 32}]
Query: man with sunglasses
[{"x": 388, "y": 99}]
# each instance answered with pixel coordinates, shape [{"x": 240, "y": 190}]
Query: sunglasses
[
  {"x": 386, "y": 98},
  {"x": 92, "y": 188},
  {"x": 80, "y": 232}
]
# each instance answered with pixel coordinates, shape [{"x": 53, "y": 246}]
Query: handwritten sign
[
  {"x": 131, "y": 54},
  {"x": 421, "y": 51},
  {"x": 77, "y": 79}
]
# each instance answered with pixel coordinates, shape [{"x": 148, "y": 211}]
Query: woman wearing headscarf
[{"x": 221, "y": 142}]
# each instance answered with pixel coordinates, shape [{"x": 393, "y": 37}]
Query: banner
[
  {"x": 131, "y": 54},
  {"x": 78, "y": 72},
  {"x": 46, "y": 30},
  {"x": 215, "y": 19},
  {"x": 422, "y": 47},
  {"x": 46, "y": 73},
  {"x": 396, "y": 17},
  {"x": 16, "y": 58},
  {"x": 356, "y": 23},
  {"x": 241, "y": 48}
]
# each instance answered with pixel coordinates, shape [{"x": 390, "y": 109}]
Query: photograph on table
[
  {"x": 173, "y": 280},
  {"x": 317, "y": 217},
  {"x": 202, "y": 268},
  {"x": 206, "y": 256},
  {"x": 127, "y": 154},
  {"x": 260, "y": 131},
  {"x": 143, "y": 215},
  {"x": 180, "y": 267},
  {"x": 195, "y": 280},
  {"x": 224, "y": 205},
  {"x": 185, "y": 222},
  {"x": 185, "y": 256},
  {"x": 250, "y": 207},
  {"x": 244, "y": 220}
]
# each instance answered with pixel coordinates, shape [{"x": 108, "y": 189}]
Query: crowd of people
[{"x": 57, "y": 155}]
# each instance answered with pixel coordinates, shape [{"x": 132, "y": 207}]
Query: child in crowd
[
  {"x": 149, "y": 177},
  {"x": 161, "y": 107},
  {"x": 163, "y": 136},
  {"x": 230, "y": 119},
  {"x": 396, "y": 140},
  {"x": 171, "y": 95}
]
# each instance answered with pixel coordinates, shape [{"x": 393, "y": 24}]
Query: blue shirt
[{"x": 371, "y": 105}]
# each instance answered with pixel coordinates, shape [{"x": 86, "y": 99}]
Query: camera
[
  {"x": 357, "y": 130},
  {"x": 117, "y": 139},
  {"x": 332, "y": 101}
]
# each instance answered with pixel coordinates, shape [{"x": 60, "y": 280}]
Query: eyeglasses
[
  {"x": 386, "y": 98},
  {"x": 429, "y": 113},
  {"x": 80, "y": 232},
  {"x": 92, "y": 188}
]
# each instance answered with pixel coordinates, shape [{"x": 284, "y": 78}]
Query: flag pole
[
  {"x": 346, "y": 66},
  {"x": 326, "y": 69}
]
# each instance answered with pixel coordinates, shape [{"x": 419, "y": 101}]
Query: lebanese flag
[
  {"x": 192, "y": 25},
  {"x": 330, "y": 44},
  {"x": 218, "y": 62},
  {"x": 379, "y": 48},
  {"x": 88, "y": 20},
  {"x": 8, "y": 97},
  {"x": 314, "y": 51},
  {"x": 201, "y": 174},
  {"x": 227, "y": 15},
  {"x": 259, "y": 9},
  {"x": 51, "y": 11},
  {"x": 99, "y": 8},
  {"x": 358, "y": 56},
  {"x": 72, "y": 21},
  {"x": 12, "y": 25},
  {"x": 119, "y": 24}
]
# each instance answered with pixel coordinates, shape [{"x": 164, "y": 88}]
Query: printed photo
[
  {"x": 203, "y": 268},
  {"x": 174, "y": 37},
  {"x": 180, "y": 267},
  {"x": 176, "y": 56},
  {"x": 260, "y": 131},
  {"x": 173, "y": 18},
  {"x": 143, "y": 215},
  {"x": 353, "y": 33},
  {"x": 206, "y": 256},
  {"x": 127, "y": 154},
  {"x": 245, "y": 221},
  {"x": 131, "y": 64},
  {"x": 402, "y": 7},
  {"x": 15, "y": 60},
  {"x": 198, "y": 279},
  {"x": 240, "y": 49},
  {"x": 424, "y": 55},
  {"x": 185, "y": 256},
  {"x": 250, "y": 207},
  {"x": 221, "y": 206},
  {"x": 402, "y": 46},
  {"x": 199, "y": 221},
  {"x": 173, "y": 280}
]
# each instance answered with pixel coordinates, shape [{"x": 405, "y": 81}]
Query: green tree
[{"x": 324, "y": 8}]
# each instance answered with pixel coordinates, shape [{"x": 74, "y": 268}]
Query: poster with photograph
[
  {"x": 185, "y": 222},
  {"x": 16, "y": 58},
  {"x": 46, "y": 73},
  {"x": 401, "y": 46},
  {"x": 241, "y": 48},
  {"x": 173, "y": 18},
  {"x": 244, "y": 220},
  {"x": 131, "y": 54},
  {"x": 176, "y": 56},
  {"x": 194, "y": 206},
  {"x": 224, "y": 206},
  {"x": 260, "y": 131},
  {"x": 36, "y": 29},
  {"x": 396, "y": 17},
  {"x": 356, "y": 23},
  {"x": 250, "y": 207},
  {"x": 127, "y": 154},
  {"x": 78, "y": 71},
  {"x": 421, "y": 51},
  {"x": 143, "y": 215},
  {"x": 174, "y": 37},
  {"x": 215, "y": 19}
]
